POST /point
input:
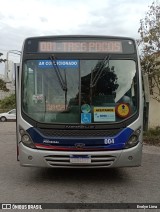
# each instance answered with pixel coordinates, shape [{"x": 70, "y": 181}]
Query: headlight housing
[
  {"x": 133, "y": 140},
  {"x": 26, "y": 139}
]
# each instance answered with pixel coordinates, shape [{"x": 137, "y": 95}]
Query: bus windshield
[{"x": 79, "y": 91}]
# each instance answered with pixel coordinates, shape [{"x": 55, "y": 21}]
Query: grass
[{"x": 152, "y": 136}]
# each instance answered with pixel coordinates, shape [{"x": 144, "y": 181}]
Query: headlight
[
  {"x": 133, "y": 140},
  {"x": 26, "y": 139}
]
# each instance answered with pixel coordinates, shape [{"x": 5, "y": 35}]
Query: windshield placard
[
  {"x": 81, "y": 46},
  {"x": 104, "y": 114}
]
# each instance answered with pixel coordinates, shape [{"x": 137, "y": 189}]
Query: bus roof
[{"x": 82, "y": 36}]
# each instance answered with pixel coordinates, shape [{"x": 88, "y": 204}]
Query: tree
[
  {"x": 3, "y": 86},
  {"x": 2, "y": 83},
  {"x": 2, "y": 60},
  {"x": 149, "y": 43}
]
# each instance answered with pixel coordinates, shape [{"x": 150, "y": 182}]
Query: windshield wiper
[
  {"x": 94, "y": 80},
  {"x": 62, "y": 82}
]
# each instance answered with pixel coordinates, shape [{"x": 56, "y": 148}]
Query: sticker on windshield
[
  {"x": 85, "y": 118},
  {"x": 104, "y": 114},
  {"x": 60, "y": 63},
  {"x": 85, "y": 108},
  {"x": 123, "y": 110}
]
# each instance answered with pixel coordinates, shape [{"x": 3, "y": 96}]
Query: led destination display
[{"x": 81, "y": 46}]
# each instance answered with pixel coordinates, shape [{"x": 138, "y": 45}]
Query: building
[{"x": 9, "y": 78}]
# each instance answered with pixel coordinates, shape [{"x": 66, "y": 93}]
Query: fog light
[
  {"x": 30, "y": 157},
  {"x": 130, "y": 158}
]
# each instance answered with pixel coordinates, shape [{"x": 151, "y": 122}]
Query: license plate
[{"x": 80, "y": 159}]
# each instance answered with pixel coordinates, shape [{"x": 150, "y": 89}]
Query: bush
[
  {"x": 152, "y": 136},
  {"x": 8, "y": 102}
]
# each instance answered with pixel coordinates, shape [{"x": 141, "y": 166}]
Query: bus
[{"x": 80, "y": 102}]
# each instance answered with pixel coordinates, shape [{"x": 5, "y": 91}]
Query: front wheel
[{"x": 3, "y": 119}]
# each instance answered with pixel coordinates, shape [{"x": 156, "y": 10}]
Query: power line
[{"x": 6, "y": 50}]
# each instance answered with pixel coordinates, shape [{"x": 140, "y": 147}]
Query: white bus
[{"x": 80, "y": 102}]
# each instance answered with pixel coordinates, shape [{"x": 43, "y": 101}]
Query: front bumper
[{"x": 61, "y": 159}]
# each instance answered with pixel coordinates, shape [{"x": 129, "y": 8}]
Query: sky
[{"x": 20, "y": 19}]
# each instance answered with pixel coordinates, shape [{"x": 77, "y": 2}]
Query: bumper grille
[
  {"x": 64, "y": 161},
  {"x": 78, "y": 133}
]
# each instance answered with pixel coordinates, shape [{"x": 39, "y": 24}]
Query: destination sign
[{"x": 81, "y": 46}]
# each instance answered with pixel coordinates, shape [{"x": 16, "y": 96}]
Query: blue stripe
[{"x": 96, "y": 142}]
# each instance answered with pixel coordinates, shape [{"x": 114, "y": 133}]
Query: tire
[{"x": 3, "y": 118}]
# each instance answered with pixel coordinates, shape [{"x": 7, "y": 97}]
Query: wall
[{"x": 154, "y": 113}]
